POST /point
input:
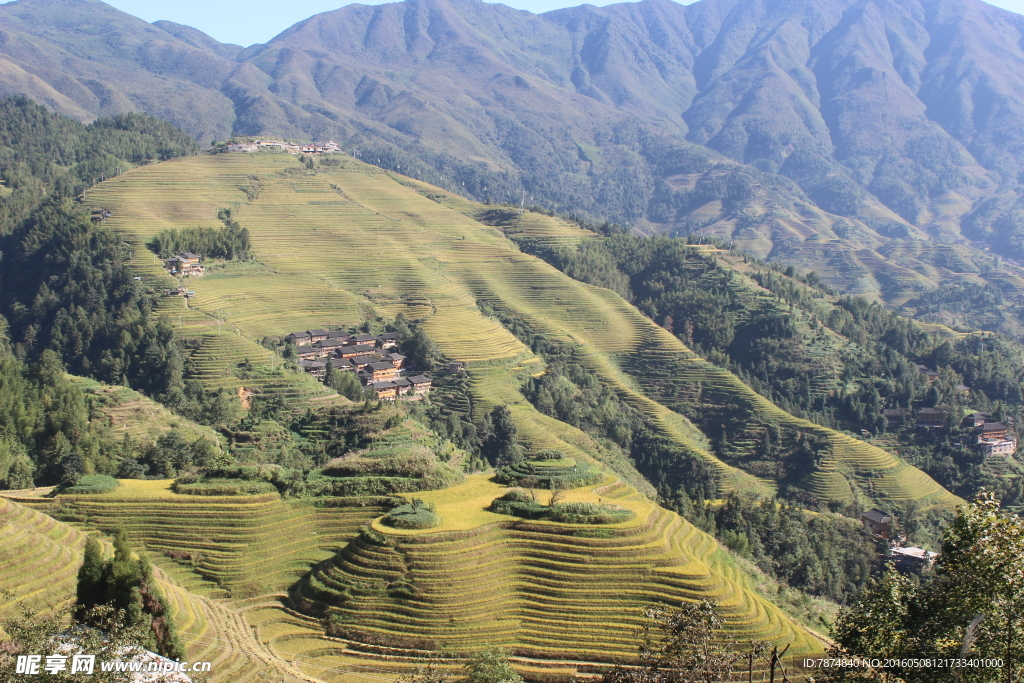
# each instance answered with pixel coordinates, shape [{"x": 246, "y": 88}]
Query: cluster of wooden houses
[
  {"x": 290, "y": 147},
  {"x": 374, "y": 359},
  {"x": 987, "y": 435}
]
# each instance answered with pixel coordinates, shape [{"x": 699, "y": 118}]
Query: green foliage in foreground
[
  {"x": 979, "y": 574},
  {"x": 126, "y": 585},
  {"x": 33, "y": 632},
  {"x": 689, "y": 643}
]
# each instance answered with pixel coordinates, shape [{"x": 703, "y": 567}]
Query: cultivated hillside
[{"x": 347, "y": 239}]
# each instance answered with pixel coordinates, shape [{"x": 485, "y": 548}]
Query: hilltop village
[
  {"x": 290, "y": 147},
  {"x": 375, "y": 360}
]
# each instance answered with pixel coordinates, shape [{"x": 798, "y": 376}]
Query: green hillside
[{"x": 367, "y": 241}]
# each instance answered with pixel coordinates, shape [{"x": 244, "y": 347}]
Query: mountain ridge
[{"x": 825, "y": 135}]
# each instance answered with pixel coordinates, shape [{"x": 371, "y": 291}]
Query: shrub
[
  {"x": 415, "y": 515},
  {"x": 90, "y": 484},
  {"x": 223, "y": 487},
  {"x": 588, "y": 513},
  {"x": 548, "y": 454}
]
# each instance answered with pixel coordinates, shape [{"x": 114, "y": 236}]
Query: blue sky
[{"x": 256, "y": 21}]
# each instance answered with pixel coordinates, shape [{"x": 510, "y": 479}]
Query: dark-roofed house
[
  {"x": 396, "y": 358},
  {"x": 348, "y": 352},
  {"x": 343, "y": 364},
  {"x": 421, "y": 385},
  {"x": 366, "y": 349},
  {"x": 385, "y": 390},
  {"x": 931, "y": 418},
  {"x": 976, "y": 419},
  {"x": 403, "y": 384},
  {"x": 307, "y": 352},
  {"x": 330, "y": 344},
  {"x": 927, "y": 373},
  {"x": 361, "y": 362},
  {"x": 388, "y": 340},
  {"x": 338, "y": 334},
  {"x": 877, "y": 522},
  {"x": 298, "y": 338},
  {"x": 381, "y": 371},
  {"x": 991, "y": 430},
  {"x": 317, "y": 368},
  {"x": 365, "y": 339},
  {"x": 894, "y": 416},
  {"x": 316, "y": 335}
]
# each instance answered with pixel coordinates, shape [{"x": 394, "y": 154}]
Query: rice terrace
[{"x": 340, "y": 242}]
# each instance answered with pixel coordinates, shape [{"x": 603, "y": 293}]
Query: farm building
[
  {"x": 185, "y": 263},
  {"x": 878, "y": 522},
  {"x": 931, "y": 418}
]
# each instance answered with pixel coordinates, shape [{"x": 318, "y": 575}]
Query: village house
[
  {"x": 317, "y": 368},
  {"x": 316, "y": 335},
  {"x": 879, "y": 523},
  {"x": 931, "y": 418},
  {"x": 421, "y": 385},
  {"x": 911, "y": 559},
  {"x": 307, "y": 352},
  {"x": 894, "y": 417},
  {"x": 185, "y": 263},
  {"x": 1005, "y": 447},
  {"x": 381, "y": 372},
  {"x": 396, "y": 358},
  {"x": 365, "y": 339},
  {"x": 403, "y": 384},
  {"x": 338, "y": 334},
  {"x": 348, "y": 352},
  {"x": 298, "y": 338},
  {"x": 329, "y": 345},
  {"x": 994, "y": 438},
  {"x": 927, "y": 373},
  {"x": 360, "y": 362},
  {"x": 991, "y": 430},
  {"x": 385, "y": 390},
  {"x": 388, "y": 340},
  {"x": 976, "y": 420}
]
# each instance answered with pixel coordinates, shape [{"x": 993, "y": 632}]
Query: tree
[
  {"x": 125, "y": 587},
  {"x": 979, "y": 574},
  {"x": 502, "y": 446},
  {"x": 685, "y": 644},
  {"x": 491, "y": 666},
  {"x": 91, "y": 590}
]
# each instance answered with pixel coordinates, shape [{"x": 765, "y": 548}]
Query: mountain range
[{"x": 877, "y": 142}]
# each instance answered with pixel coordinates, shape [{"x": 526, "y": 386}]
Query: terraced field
[
  {"x": 225, "y": 546},
  {"x": 41, "y": 556},
  {"x": 350, "y": 242},
  {"x": 520, "y": 584}
]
